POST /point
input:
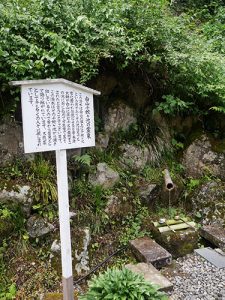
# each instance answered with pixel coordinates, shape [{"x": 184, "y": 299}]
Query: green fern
[
  {"x": 84, "y": 160},
  {"x": 220, "y": 109}
]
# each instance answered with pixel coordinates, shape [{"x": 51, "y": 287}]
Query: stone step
[
  {"x": 151, "y": 275},
  {"x": 147, "y": 250},
  {"x": 216, "y": 258},
  {"x": 215, "y": 234}
]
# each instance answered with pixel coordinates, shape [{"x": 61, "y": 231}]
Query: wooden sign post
[{"x": 58, "y": 115}]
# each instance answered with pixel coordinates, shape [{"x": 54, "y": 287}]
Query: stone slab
[
  {"x": 147, "y": 250},
  {"x": 212, "y": 256},
  {"x": 152, "y": 275},
  {"x": 214, "y": 234}
]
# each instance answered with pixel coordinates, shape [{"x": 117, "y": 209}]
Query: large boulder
[
  {"x": 104, "y": 176},
  {"x": 209, "y": 202},
  {"x": 200, "y": 158},
  {"x": 119, "y": 116},
  {"x": 11, "y": 142},
  {"x": 134, "y": 157},
  {"x": 18, "y": 196}
]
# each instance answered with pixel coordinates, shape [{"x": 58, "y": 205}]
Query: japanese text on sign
[{"x": 58, "y": 118}]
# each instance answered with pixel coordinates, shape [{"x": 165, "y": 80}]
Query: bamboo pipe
[{"x": 168, "y": 181}]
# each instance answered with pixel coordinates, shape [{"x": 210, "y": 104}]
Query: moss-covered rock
[
  {"x": 208, "y": 201},
  {"x": 178, "y": 243}
]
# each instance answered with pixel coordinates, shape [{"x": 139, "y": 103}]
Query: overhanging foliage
[{"x": 70, "y": 39}]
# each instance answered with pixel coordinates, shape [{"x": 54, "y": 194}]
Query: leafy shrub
[
  {"x": 72, "y": 39},
  {"x": 121, "y": 284}
]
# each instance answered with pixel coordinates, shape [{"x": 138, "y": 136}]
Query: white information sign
[{"x": 56, "y": 117}]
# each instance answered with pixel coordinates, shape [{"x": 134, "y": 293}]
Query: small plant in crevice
[
  {"x": 121, "y": 284},
  {"x": 132, "y": 223},
  {"x": 12, "y": 171},
  {"x": 173, "y": 105},
  {"x": 42, "y": 175},
  {"x": 154, "y": 175}
]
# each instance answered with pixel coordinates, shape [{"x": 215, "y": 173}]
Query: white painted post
[{"x": 64, "y": 220}]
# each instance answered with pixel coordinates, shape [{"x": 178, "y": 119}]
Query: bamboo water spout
[{"x": 168, "y": 181}]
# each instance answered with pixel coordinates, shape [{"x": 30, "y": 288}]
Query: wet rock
[
  {"x": 134, "y": 157},
  {"x": 20, "y": 196},
  {"x": 209, "y": 201},
  {"x": 38, "y": 226},
  {"x": 119, "y": 116},
  {"x": 11, "y": 142},
  {"x": 199, "y": 158},
  {"x": 105, "y": 176}
]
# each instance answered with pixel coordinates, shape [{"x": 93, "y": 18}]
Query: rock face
[
  {"x": 117, "y": 207},
  {"x": 112, "y": 205},
  {"x": 149, "y": 193},
  {"x": 37, "y": 227},
  {"x": 105, "y": 176},
  {"x": 134, "y": 157},
  {"x": 200, "y": 158},
  {"x": 209, "y": 201},
  {"x": 82, "y": 256},
  {"x": 120, "y": 116},
  {"x": 20, "y": 195},
  {"x": 11, "y": 142},
  {"x": 102, "y": 141}
]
